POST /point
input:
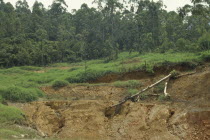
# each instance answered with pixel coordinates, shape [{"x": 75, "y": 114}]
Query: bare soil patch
[{"x": 83, "y": 114}]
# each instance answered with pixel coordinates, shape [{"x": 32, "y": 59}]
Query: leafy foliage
[{"x": 38, "y": 36}]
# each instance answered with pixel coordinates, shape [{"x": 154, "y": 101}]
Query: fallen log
[
  {"x": 138, "y": 93},
  {"x": 115, "y": 109},
  {"x": 187, "y": 74}
]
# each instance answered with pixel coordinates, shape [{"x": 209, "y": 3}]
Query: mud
[{"x": 83, "y": 114}]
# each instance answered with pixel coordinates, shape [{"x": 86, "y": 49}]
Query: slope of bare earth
[{"x": 186, "y": 116}]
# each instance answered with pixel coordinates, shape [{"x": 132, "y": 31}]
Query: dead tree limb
[
  {"x": 187, "y": 74},
  {"x": 165, "y": 89},
  {"x": 138, "y": 93}
]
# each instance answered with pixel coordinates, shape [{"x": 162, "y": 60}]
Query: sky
[{"x": 172, "y": 5}]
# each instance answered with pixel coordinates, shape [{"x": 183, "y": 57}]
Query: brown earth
[
  {"x": 143, "y": 74},
  {"x": 83, "y": 114}
]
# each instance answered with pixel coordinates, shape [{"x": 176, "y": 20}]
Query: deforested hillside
[
  {"x": 81, "y": 111},
  {"x": 110, "y": 70}
]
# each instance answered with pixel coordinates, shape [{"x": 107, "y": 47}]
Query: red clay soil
[{"x": 185, "y": 117}]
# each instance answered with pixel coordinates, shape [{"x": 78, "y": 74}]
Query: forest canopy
[{"x": 40, "y": 36}]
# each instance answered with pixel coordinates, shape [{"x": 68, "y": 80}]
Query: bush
[
  {"x": 18, "y": 94},
  {"x": 174, "y": 73},
  {"x": 59, "y": 84},
  {"x": 10, "y": 114},
  {"x": 127, "y": 84}
]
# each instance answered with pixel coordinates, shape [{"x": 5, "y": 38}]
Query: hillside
[{"x": 79, "y": 110}]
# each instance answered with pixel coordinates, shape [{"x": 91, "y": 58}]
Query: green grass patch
[
  {"x": 25, "y": 77},
  {"x": 18, "y": 94},
  {"x": 132, "y": 91},
  {"x": 10, "y": 114},
  {"x": 59, "y": 83},
  {"x": 30, "y": 68},
  {"x": 10, "y": 132}
]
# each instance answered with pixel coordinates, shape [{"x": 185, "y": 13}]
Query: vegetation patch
[
  {"x": 19, "y": 94},
  {"x": 59, "y": 83},
  {"x": 132, "y": 91},
  {"x": 89, "y": 75},
  {"x": 10, "y": 132},
  {"x": 10, "y": 114},
  {"x": 205, "y": 56},
  {"x": 31, "y": 68},
  {"x": 163, "y": 98}
]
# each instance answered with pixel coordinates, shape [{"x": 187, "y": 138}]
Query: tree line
[{"x": 40, "y": 36}]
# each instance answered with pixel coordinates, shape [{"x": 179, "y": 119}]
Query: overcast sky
[{"x": 75, "y": 4}]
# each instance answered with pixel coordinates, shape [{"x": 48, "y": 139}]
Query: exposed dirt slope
[
  {"x": 194, "y": 88},
  {"x": 143, "y": 74},
  {"x": 186, "y": 117},
  {"x": 87, "y": 92}
]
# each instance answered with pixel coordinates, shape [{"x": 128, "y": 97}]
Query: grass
[
  {"x": 10, "y": 132},
  {"x": 28, "y": 77},
  {"x": 132, "y": 91},
  {"x": 21, "y": 84},
  {"x": 10, "y": 115},
  {"x": 59, "y": 84},
  {"x": 19, "y": 94}
]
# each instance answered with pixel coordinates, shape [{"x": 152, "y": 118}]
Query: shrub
[
  {"x": 18, "y": 94},
  {"x": 174, "y": 73},
  {"x": 59, "y": 84},
  {"x": 10, "y": 114}
]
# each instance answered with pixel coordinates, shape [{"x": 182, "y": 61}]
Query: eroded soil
[{"x": 82, "y": 114}]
